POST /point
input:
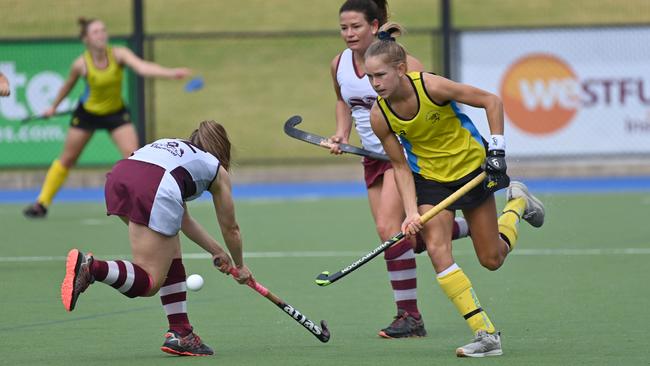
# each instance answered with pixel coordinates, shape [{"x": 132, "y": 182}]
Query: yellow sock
[
  {"x": 459, "y": 290},
  {"x": 509, "y": 220},
  {"x": 54, "y": 179}
]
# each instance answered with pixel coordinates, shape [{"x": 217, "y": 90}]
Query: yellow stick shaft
[{"x": 452, "y": 198}]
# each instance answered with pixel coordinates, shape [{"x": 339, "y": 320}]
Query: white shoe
[
  {"x": 534, "y": 212},
  {"x": 484, "y": 344}
]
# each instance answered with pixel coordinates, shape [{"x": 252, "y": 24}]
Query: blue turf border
[{"x": 308, "y": 190}]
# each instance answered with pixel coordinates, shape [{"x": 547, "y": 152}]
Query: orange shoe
[{"x": 77, "y": 277}]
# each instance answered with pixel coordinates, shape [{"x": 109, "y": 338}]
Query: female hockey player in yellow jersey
[
  {"x": 100, "y": 107},
  {"x": 359, "y": 21},
  {"x": 444, "y": 150}
]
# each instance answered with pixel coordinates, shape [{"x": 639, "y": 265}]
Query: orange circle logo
[{"x": 540, "y": 93}]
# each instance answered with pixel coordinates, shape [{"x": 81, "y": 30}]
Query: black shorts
[
  {"x": 430, "y": 192},
  {"x": 85, "y": 120}
]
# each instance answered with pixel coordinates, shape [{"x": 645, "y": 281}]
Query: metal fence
[{"x": 256, "y": 79}]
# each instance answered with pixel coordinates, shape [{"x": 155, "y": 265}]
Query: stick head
[
  {"x": 292, "y": 122},
  {"x": 325, "y": 335},
  {"x": 323, "y": 279}
]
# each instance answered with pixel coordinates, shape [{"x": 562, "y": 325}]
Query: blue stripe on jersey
[
  {"x": 410, "y": 157},
  {"x": 84, "y": 97},
  {"x": 467, "y": 123}
]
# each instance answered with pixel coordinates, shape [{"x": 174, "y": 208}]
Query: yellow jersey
[
  {"x": 103, "y": 93},
  {"x": 441, "y": 143}
]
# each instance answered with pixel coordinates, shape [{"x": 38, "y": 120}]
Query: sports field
[{"x": 572, "y": 293}]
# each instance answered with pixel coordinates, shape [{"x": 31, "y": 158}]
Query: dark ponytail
[
  {"x": 84, "y": 23},
  {"x": 371, "y": 9}
]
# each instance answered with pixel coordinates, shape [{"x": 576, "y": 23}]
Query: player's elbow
[
  {"x": 400, "y": 166},
  {"x": 493, "y": 102}
]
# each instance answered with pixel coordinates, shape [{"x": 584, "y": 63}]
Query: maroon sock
[
  {"x": 400, "y": 262},
  {"x": 173, "y": 296},
  {"x": 460, "y": 230},
  {"x": 128, "y": 278}
]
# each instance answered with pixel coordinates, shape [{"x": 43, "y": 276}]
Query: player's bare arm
[
  {"x": 144, "y": 68},
  {"x": 224, "y": 205},
  {"x": 403, "y": 175},
  {"x": 343, "y": 112},
  {"x": 77, "y": 69},
  {"x": 443, "y": 90}
]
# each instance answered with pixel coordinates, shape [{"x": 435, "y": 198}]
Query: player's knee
[
  {"x": 386, "y": 230},
  {"x": 68, "y": 161},
  {"x": 437, "y": 250},
  {"x": 491, "y": 262}
]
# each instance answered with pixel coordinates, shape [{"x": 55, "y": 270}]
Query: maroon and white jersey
[
  {"x": 191, "y": 168},
  {"x": 359, "y": 95}
]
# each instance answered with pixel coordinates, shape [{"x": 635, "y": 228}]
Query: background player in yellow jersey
[
  {"x": 444, "y": 150},
  {"x": 4, "y": 86},
  {"x": 100, "y": 107}
]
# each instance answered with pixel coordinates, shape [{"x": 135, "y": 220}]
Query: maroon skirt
[
  {"x": 374, "y": 169},
  {"x": 144, "y": 194}
]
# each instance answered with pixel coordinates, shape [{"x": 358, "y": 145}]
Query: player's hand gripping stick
[
  {"x": 325, "y": 278},
  {"x": 322, "y": 332}
]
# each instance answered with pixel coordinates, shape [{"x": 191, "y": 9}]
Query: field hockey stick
[
  {"x": 322, "y": 332},
  {"x": 291, "y": 130},
  {"x": 36, "y": 117},
  {"x": 325, "y": 278}
]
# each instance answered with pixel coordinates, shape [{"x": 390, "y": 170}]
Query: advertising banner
[
  {"x": 36, "y": 72},
  {"x": 565, "y": 91}
]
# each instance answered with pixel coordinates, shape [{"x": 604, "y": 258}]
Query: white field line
[{"x": 323, "y": 254}]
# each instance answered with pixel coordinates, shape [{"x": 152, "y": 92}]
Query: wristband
[{"x": 497, "y": 142}]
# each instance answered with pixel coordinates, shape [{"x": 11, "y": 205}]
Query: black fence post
[
  {"x": 138, "y": 49},
  {"x": 445, "y": 13}
]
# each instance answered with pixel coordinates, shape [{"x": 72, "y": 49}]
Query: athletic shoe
[
  {"x": 190, "y": 345},
  {"x": 404, "y": 325},
  {"x": 534, "y": 212},
  {"x": 35, "y": 211},
  {"x": 77, "y": 277},
  {"x": 484, "y": 344}
]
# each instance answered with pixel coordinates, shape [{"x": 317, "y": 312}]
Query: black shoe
[
  {"x": 35, "y": 211},
  {"x": 405, "y": 325},
  {"x": 190, "y": 345}
]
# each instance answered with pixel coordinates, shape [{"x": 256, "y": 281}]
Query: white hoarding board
[{"x": 565, "y": 92}]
